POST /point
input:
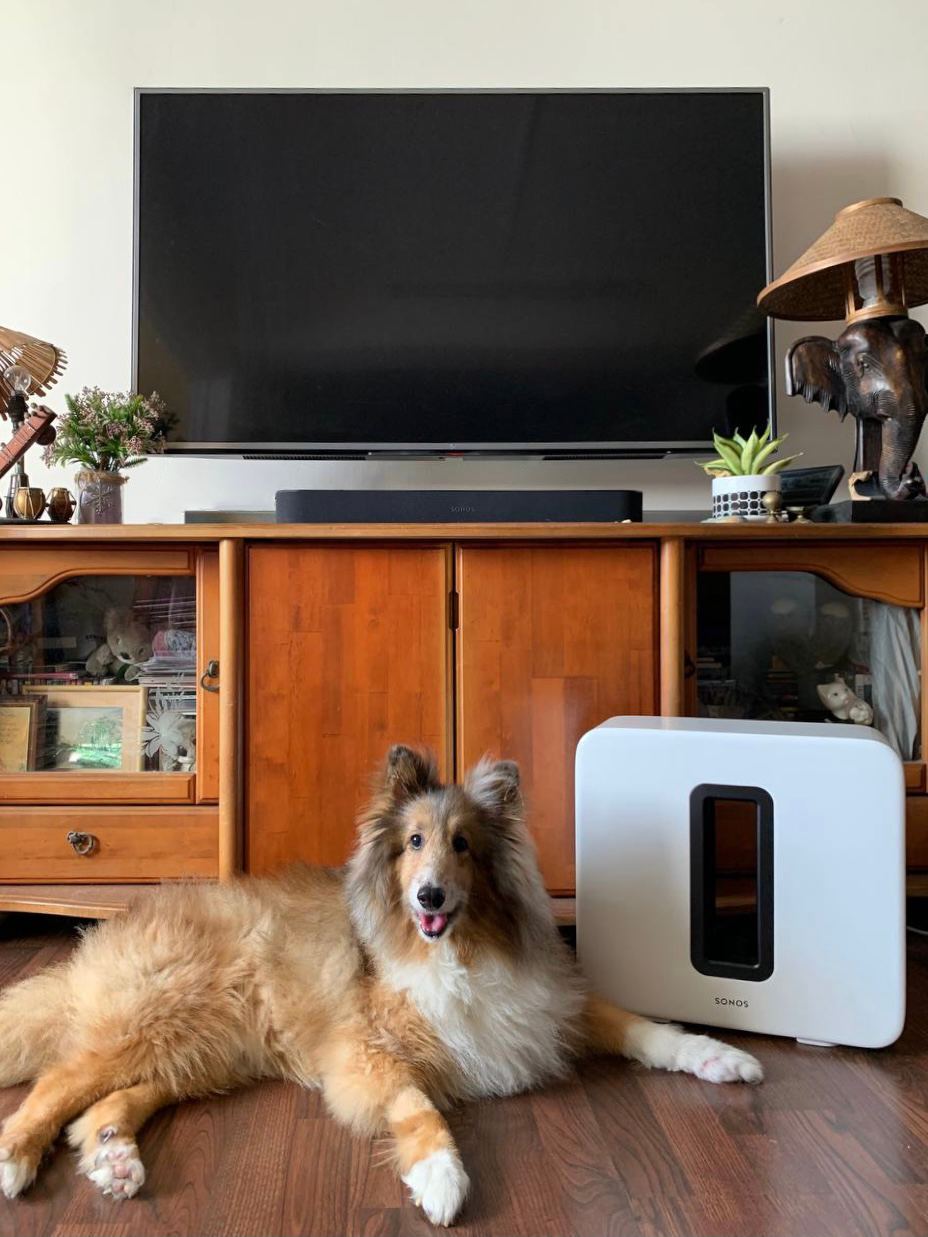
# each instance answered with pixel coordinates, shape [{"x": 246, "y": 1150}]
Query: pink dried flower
[{"x": 107, "y": 432}]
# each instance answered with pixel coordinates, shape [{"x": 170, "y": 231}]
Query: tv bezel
[{"x": 359, "y": 450}]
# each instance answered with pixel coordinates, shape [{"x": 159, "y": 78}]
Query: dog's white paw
[
  {"x": 714, "y": 1061},
  {"x": 115, "y": 1168},
  {"x": 16, "y": 1171},
  {"x": 438, "y": 1185}
]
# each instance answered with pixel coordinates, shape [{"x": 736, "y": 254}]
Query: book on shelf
[{"x": 12, "y": 682}]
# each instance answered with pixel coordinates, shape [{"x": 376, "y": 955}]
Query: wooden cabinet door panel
[
  {"x": 552, "y": 641},
  {"x": 348, "y": 652}
]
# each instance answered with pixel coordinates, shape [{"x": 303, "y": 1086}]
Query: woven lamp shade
[
  {"x": 44, "y": 362},
  {"x": 814, "y": 287}
]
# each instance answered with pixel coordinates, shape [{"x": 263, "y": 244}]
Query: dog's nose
[{"x": 431, "y": 897}]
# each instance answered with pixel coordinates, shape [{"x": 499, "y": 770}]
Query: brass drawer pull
[
  {"x": 82, "y": 843},
  {"x": 211, "y": 672}
]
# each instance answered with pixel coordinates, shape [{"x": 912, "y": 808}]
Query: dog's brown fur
[{"x": 327, "y": 978}]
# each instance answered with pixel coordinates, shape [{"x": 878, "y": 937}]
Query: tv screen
[{"x": 546, "y": 272}]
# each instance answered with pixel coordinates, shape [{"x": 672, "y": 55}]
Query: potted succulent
[
  {"x": 743, "y": 472},
  {"x": 106, "y": 433}
]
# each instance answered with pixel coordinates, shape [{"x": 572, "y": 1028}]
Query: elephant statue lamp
[
  {"x": 870, "y": 267},
  {"x": 874, "y": 371}
]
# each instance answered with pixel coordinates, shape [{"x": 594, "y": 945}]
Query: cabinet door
[
  {"x": 99, "y": 700},
  {"x": 781, "y": 633},
  {"x": 552, "y": 641},
  {"x": 348, "y": 651}
]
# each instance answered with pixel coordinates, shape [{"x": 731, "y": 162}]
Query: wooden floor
[{"x": 835, "y": 1141}]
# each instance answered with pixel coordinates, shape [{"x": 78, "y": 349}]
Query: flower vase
[{"x": 99, "y": 497}]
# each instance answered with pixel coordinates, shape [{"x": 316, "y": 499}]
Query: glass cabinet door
[
  {"x": 791, "y": 646},
  {"x": 98, "y": 675}
]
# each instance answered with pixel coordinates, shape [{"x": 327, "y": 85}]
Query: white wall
[{"x": 848, "y": 118}]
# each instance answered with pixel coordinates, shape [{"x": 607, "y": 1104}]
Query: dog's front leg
[
  {"x": 608, "y": 1029},
  {"x": 374, "y": 1092},
  {"x": 427, "y": 1157}
]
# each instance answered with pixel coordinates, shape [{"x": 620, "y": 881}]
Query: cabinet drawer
[{"x": 138, "y": 844}]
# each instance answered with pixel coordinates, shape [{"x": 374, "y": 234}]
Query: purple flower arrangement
[{"x": 109, "y": 431}]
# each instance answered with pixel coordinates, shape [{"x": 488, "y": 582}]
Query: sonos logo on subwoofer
[
  {"x": 726, "y": 1000},
  {"x": 461, "y": 509}
]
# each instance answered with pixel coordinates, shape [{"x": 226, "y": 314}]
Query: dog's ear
[
  {"x": 409, "y": 773},
  {"x": 405, "y": 774},
  {"x": 494, "y": 785}
]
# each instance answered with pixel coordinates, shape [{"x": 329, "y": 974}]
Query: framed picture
[
  {"x": 22, "y": 733},
  {"x": 93, "y": 728}
]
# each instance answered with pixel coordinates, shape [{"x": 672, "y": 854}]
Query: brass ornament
[
  {"x": 29, "y": 502},
  {"x": 61, "y": 504}
]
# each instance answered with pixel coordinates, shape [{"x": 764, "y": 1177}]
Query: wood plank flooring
[{"x": 834, "y": 1142}]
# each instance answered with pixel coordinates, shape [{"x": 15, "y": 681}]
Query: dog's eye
[
  {"x": 459, "y": 843},
  {"x": 416, "y": 841}
]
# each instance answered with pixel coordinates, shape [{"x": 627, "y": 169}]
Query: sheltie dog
[{"x": 428, "y": 971}]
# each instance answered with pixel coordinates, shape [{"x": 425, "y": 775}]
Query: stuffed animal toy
[
  {"x": 128, "y": 643},
  {"x": 838, "y": 698}
]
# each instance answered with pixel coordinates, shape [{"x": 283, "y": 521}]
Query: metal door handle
[
  {"x": 211, "y": 672},
  {"x": 82, "y": 843}
]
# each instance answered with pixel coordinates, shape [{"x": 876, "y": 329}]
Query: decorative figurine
[
  {"x": 838, "y": 698},
  {"x": 128, "y": 643},
  {"x": 876, "y": 372}
]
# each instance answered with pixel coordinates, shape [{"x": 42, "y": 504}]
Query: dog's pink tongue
[{"x": 433, "y": 923}]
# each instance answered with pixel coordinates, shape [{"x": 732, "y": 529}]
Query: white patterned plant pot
[{"x": 742, "y": 496}]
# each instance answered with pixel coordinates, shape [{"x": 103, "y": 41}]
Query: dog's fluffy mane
[{"x": 512, "y": 914}]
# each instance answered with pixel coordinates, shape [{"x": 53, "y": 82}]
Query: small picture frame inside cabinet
[
  {"x": 22, "y": 733},
  {"x": 93, "y": 729}
]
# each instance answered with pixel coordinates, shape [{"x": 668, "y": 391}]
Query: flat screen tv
[{"x": 544, "y": 272}]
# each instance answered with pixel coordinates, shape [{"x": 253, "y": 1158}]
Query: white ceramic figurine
[{"x": 838, "y": 698}]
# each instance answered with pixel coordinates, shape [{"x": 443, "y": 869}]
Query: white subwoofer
[{"x": 745, "y": 874}]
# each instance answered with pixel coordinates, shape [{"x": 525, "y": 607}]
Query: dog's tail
[{"x": 34, "y": 1019}]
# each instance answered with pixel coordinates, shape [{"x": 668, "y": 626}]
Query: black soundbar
[{"x": 457, "y": 506}]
